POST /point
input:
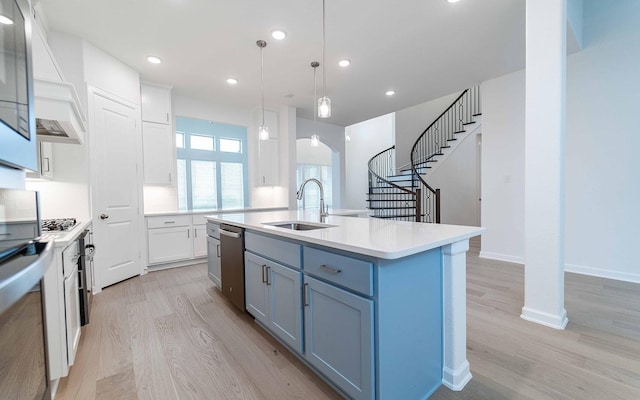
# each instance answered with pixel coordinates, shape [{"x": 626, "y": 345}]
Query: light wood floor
[{"x": 170, "y": 335}]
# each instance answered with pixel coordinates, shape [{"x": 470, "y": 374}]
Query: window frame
[{"x": 192, "y": 126}]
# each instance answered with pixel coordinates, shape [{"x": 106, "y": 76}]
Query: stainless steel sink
[{"x": 298, "y": 226}]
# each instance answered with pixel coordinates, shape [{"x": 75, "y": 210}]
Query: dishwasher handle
[{"x": 230, "y": 234}]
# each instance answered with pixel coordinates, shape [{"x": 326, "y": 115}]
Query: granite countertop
[{"x": 374, "y": 237}]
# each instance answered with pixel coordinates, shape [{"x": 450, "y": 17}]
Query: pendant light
[
  {"x": 324, "y": 103},
  {"x": 315, "y": 139},
  {"x": 263, "y": 131}
]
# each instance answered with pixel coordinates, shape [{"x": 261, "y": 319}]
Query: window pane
[
  {"x": 198, "y": 142},
  {"x": 203, "y": 185},
  {"x": 231, "y": 145},
  {"x": 232, "y": 185},
  {"x": 182, "y": 185},
  {"x": 180, "y": 140}
]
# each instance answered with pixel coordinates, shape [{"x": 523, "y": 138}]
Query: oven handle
[{"x": 12, "y": 288}]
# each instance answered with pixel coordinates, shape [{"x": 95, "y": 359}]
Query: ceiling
[{"x": 422, "y": 49}]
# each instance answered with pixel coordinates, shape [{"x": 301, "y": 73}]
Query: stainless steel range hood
[{"x": 59, "y": 115}]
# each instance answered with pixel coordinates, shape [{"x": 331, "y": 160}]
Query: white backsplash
[
  {"x": 62, "y": 199},
  {"x": 160, "y": 199}
]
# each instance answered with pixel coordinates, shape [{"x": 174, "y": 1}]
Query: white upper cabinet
[
  {"x": 158, "y": 137},
  {"x": 156, "y": 103},
  {"x": 268, "y": 150}
]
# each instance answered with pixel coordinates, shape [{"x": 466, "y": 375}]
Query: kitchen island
[{"x": 376, "y": 307}]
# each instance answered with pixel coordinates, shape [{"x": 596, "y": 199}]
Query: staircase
[{"x": 406, "y": 195}]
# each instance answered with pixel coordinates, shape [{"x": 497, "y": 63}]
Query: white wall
[
  {"x": 308, "y": 154},
  {"x": 503, "y": 167},
  {"x": 332, "y": 136},
  {"x": 602, "y": 167},
  {"x": 457, "y": 178},
  {"x": 412, "y": 121},
  {"x": 367, "y": 139}
]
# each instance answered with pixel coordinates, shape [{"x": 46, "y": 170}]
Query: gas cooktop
[{"x": 58, "y": 225}]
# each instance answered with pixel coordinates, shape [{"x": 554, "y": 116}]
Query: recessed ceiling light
[
  {"x": 232, "y": 81},
  {"x": 390, "y": 92},
  {"x": 344, "y": 63},
  {"x": 154, "y": 60},
  {"x": 5, "y": 20},
  {"x": 278, "y": 34},
  {"x": 453, "y": 1}
]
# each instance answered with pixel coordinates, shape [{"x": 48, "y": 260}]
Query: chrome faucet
[{"x": 323, "y": 211}]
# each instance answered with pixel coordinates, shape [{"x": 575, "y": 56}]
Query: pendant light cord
[
  {"x": 315, "y": 103},
  {"x": 262, "y": 81},
  {"x": 324, "y": 74}
]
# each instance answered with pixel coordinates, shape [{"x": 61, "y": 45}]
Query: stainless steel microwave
[{"x": 17, "y": 120}]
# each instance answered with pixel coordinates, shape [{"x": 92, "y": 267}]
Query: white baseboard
[
  {"x": 546, "y": 319},
  {"x": 502, "y": 257},
  {"x": 573, "y": 268},
  {"x": 602, "y": 273}
]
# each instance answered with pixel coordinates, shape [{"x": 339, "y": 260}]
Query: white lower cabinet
[
  {"x": 339, "y": 336},
  {"x": 176, "y": 239},
  {"x": 273, "y": 297},
  {"x": 169, "y": 244},
  {"x": 72, "y": 314},
  {"x": 199, "y": 241}
]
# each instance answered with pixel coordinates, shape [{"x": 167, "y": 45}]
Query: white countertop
[
  {"x": 190, "y": 212},
  {"x": 63, "y": 239},
  {"x": 374, "y": 237}
]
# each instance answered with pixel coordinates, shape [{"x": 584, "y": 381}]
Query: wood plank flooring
[{"x": 171, "y": 335}]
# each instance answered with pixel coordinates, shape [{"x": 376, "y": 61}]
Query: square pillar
[{"x": 545, "y": 125}]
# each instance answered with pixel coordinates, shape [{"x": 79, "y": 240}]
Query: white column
[
  {"x": 544, "y": 162},
  {"x": 455, "y": 372}
]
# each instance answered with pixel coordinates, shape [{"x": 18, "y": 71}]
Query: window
[
  {"x": 212, "y": 165},
  {"x": 322, "y": 173}
]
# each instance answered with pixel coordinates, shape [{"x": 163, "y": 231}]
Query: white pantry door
[{"x": 115, "y": 179}]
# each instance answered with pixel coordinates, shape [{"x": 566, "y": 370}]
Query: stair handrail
[
  {"x": 383, "y": 179},
  {"x": 413, "y": 164}
]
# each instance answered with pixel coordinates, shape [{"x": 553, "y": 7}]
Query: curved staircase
[{"x": 407, "y": 195}]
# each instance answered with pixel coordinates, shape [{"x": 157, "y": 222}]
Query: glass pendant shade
[
  {"x": 324, "y": 107},
  {"x": 263, "y": 132},
  {"x": 315, "y": 140}
]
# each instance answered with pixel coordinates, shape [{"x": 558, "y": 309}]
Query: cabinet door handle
[
  {"x": 169, "y": 177},
  {"x": 48, "y": 168},
  {"x": 332, "y": 271},
  {"x": 304, "y": 294},
  {"x": 188, "y": 233},
  {"x": 218, "y": 250},
  {"x": 263, "y": 179},
  {"x": 195, "y": 232},
  {"x": 167, "y": 117},
  {"x": 268, "y": 281},
  {"x": 264, "y": 272}
]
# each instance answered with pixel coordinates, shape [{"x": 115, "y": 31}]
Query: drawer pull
[
  {"x": 169, "y": 222},
  {"x": 332, "y": 271}
]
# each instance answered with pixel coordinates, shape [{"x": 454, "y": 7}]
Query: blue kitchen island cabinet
[
  {"x": 374, "y": 326},
  {"x": 377, "y": 308}
]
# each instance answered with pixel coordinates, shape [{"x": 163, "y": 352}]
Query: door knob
[{"x": 104, "y": 216}]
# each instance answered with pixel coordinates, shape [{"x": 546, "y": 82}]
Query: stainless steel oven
[
  {"x": 17, "y": 120},
  {"x": 23, "y": 263}
]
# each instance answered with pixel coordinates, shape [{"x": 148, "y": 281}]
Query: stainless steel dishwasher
[{"x": 232, "y": 263}]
